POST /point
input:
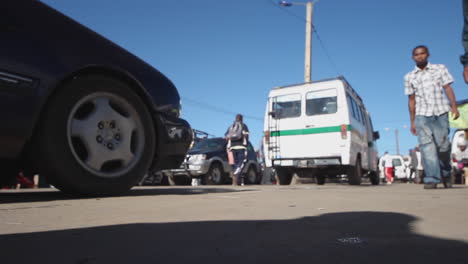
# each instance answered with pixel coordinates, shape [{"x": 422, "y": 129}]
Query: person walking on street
[
  {"x": 388, "y": 167},
  {"x": 237, "y": 136},
  {"x": 428, "y": 109}
]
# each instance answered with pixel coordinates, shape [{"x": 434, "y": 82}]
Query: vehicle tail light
[
  {"x": 344, "y": 131},
  {"x": 267, "y": 136}
]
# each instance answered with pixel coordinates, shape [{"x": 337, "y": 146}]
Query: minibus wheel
[
  {"x": 374, "y": 178},
  {"x": 355, "y": 173},
  {"x": 283, "y": 177},
  {"x": 321, "y": 179}
]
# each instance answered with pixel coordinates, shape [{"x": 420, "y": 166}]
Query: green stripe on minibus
[{"x": 307, "y": 131}]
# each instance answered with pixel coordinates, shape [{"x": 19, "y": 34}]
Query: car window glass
[
  {"x": 321, "y": 102},
  {"x": 209, "y": 145},
  {"x": 286, "y": 106},
  {"x": 396, "y": 162}
]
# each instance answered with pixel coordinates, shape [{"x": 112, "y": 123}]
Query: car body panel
[{"x": 42, "y": 49}]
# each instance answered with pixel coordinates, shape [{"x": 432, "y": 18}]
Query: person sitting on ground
[{"x": 461, "y": 157}]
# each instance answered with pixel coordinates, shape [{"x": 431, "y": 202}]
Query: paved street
[{"x": 306, "y": 223}]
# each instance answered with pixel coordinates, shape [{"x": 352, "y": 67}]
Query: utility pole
[
  {"x": 308, "y": 37},
  {"x": 308, "y": 43},
  {"x": 397, "y": 142}
]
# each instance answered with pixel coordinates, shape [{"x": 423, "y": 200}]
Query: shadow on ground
[
  {"x": 49, "y": 194},
  {"x": 356, "y": 237}
]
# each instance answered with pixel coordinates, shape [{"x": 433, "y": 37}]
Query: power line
[
  {"x": 314, "y": 29},
  {"x": 326, "y": 51},
  {"x": 206, "y": 106}
]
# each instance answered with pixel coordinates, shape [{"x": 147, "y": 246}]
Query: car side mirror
[
  {"x": 376, "y": 135},
  {"x": 272, "y": 113}
]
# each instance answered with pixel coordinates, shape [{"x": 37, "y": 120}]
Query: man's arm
[
  {"x": 412, "y": 112},
  {"x": 453, "y": 103}
]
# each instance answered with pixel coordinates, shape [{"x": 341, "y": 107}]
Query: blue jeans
[
  {"x": 434, "y": 143},
  {"x": 239, "y": 160}
]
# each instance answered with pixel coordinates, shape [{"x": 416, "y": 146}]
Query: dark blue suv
[
  {"x": 208, "y": 160},
  {"x": 78, "y": 109}
]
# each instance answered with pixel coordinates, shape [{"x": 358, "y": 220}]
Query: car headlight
[
  {"x": 197, "y": 158},
  {"x": 171, "y": 110}
]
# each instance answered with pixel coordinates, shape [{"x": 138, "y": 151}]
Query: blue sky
[{"x": 224, "y": 56}]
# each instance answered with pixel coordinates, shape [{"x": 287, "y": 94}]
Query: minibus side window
[
  {"x": 356, "y": 111},
  {"x": 354, "y": 107},
  {"x": 286, "y": 106},
  {"x": 321, "y": 102},
  {"x": 360, "y": 114},
  {"x": 363, "y": 115},
  {"x": 350, "y": 105}
]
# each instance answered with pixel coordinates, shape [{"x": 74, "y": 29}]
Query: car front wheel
[
  {"x": 214, "y": 175},
  {"x": 251, "y": 175},
  {"x": 96, "y": 137}
]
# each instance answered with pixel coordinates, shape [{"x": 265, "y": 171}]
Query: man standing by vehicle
[
  {"x": 428, "y": 108},
  {"x": 237, "y": 136}
]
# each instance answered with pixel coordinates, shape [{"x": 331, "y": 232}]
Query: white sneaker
[{"x": 389, "y": 182}]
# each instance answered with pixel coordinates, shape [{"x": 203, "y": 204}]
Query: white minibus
[{"x": 318, "y": 130}]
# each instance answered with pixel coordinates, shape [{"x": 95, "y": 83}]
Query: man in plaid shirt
[{"x": 428, "y": 107}]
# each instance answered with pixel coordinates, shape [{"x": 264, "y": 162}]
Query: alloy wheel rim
[
  {"x": 216, "y": 175},
  {"x": 105, "y": 134}
]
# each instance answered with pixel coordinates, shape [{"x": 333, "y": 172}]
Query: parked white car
[{"x": 400, "y": 171}]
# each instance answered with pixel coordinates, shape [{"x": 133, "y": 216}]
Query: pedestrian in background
[
  {"x": 460, "y": 155},
  {"x": 428, "y": 108},
  {"x": 388, "y": 167},
  {"x": 237, "y": 136}
]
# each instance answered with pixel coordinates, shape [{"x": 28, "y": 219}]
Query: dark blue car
[{"x": 78, "y": 109}]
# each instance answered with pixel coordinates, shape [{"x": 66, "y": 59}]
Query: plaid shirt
[{"x": 428, "y": 87}]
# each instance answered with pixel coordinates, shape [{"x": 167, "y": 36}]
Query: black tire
[
  {"x": 355, "y": 173},
  {"x": 321, "y": 179},
  {"x": 96, "y": 137},
  {"x": 283, "y": 176},
  {"x": 374, "y": 178},
  {"x": 215, "y": 175},
  {"x": 251, "y": 176}
]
